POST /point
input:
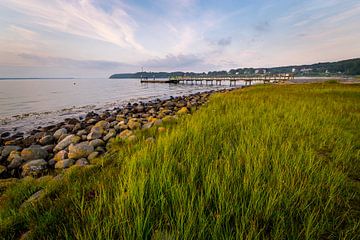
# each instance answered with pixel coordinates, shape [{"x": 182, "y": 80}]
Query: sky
[{"x": 96, "y": 38}]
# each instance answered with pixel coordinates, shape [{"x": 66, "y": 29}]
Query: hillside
[{"x": 349, "y": 67}]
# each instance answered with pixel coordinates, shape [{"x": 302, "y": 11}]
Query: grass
[{"x": 266, "y": 162}]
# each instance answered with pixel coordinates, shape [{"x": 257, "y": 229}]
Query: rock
[
  {"x": 51, "y": 162},
  {"x": 150, "y": 140},
  {"x": 97, "y": 142},
  {"x": 71, "y": 121},
  {"x": 94, "y": 135},
  {"x": 93, "y": 155},
  {"x": 82, "y": 162},
  {"x": 125, "y": 134},
  {"x": 82, "y": 132},
  {"x": 13, "y": 155},
  {"x": 133, "y": 124},
  {"x": 121, "y": 126},
  {"x": 147, "y": 125},
  {"x": 59, "y": 132},
  {"x": 132, "y": 138},
  {"x": 152, "y": 119},
  {"x": 77, "y": 127},
  {"x": 8, "y": 149},
  {"x": 161, "y": 129},
  {"x": 64, "y": 163},
  {"x": 100, "y": 149},
  {"x": 5, "y": 134},
  {"x": 62, "y": 137},
  {"x": 33, "y": 153},
  {"x": 110, "y": 134},
  {"x": 120, "y": 118},
  {"x": 46, "y": 140},
  {"x": 2, "y": 169},
  {"x": 183, "y": 111},
  {"x": 48, "y": 148},
  {"x": 34, "y": 167},
  {"x": 61, "y": 155},
  {"x": 28, "y": 140},
  {"x": 102, "y": 124},
  {"x": 33, "y": 198},
  {"x": 158, "y": 122},
  {"x": 139, "y": 108},
  {"x": 168, "y": 119},
  {"x": 5, "y": 183},
  {"x": 16, "y": 163},
  {"x": 169, "y": 104},
  {"x": 81, "y": 150},
  {"x": 66, "y": 142}
]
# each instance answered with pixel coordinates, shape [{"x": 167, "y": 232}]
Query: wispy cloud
[
  {"x": 80, "y": 18},
  {"x": 71, "y": 63}
]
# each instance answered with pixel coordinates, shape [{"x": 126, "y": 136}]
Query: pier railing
[{"x": 218, "y": 80}]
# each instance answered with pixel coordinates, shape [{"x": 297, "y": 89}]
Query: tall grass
[{"x": 266, "y": 162}]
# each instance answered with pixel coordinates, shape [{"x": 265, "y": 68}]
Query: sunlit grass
[{"x": 278, "y": 162}]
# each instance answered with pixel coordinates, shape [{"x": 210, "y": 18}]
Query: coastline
[
  {"x": 50, "y": 147},
  {"x": 265, "y": 150}
]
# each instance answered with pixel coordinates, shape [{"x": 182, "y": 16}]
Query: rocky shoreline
[{"x": 78, "y": 141}]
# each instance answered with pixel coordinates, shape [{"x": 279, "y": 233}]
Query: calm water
[{"x": 27, "y": 104}]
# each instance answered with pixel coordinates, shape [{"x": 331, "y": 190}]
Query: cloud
[
  {"x": 262, "y": 26},
  {"x": 224, "y": 41},
  {"x": 72, "y": 63},
  {"x": 23, "y": 32},
  {"x": 80, "y": 18},
  {"x": 174, "y": 62}
]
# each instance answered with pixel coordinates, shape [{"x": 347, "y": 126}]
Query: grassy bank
[{"x": 279, "y": 162}]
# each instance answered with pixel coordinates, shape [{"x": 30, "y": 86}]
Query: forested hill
[{"x": 345, "y": 67}]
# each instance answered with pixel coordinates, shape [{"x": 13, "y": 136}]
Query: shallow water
[{"x": 28, "y": 103}]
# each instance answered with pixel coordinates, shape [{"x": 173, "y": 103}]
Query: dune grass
[{"x": 266, "y": 162}]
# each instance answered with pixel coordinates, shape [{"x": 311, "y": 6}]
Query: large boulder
[
  {"x": 97, "y": 142},
  {"x": 33, "y": 153},
  {"x": 82, "y": 162},
  {"x": 183, "y": 111},
  {"x": 34, "y": 167},
  {"x": 71, "y": 139},
  {"x": 102, "y": 125},
  {"x": 110, "y": 134},
  {"x": 64, "y": 163},
  {"x": 96, "y": 134},
  {"x": 46, "y": 140},
  {"x": 81, "y": 150},
  {"x": 134, "y": 124},
  {"x": 8, "y": 149},
  {"x": 61, "y": 155},
  {"x": 125, "y": 134},
  {"x": 60, "y": 132},
  {"x": 2, "y": 169}
]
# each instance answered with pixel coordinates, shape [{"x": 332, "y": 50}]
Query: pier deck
[{"x": 218, "y": 80}]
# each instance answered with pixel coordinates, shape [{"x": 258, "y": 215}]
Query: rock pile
[{"x": 77, "y": 141}]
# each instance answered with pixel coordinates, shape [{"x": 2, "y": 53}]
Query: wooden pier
[{"x": 219, "y": 80}]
